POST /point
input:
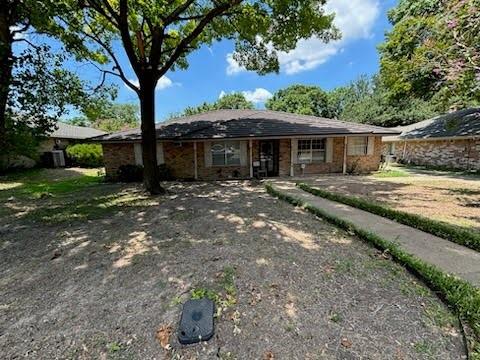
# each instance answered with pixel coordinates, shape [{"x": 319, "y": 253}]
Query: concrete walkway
[{"x": 446, "y": 255}]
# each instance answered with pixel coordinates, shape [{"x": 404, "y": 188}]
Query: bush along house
[{"x": 241, "y": 144}]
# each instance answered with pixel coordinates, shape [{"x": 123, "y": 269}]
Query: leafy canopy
[
  {"x": 301, "y": 99},
  {"x": 158, "y": 36},
  {"x": 227, "y": 101},
  {"x": 433, "y": 52},
  {"x": 109, "y": 117}
]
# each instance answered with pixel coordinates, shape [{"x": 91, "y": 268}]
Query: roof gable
[{"x": 462, "y": 123}]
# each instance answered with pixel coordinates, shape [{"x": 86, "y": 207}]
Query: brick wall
[
  {"x": 180, "y": 159},
  {"x": 456, "y": 154},
  {"x": 116, "y": 155},
  {"x": 366, "y": 163},
  {"x": 219, "y": 172}
]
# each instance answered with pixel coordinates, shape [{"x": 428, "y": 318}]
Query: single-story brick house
[
  {"x": 229, "y": 144},
  {"x": 451, "y": 140}
]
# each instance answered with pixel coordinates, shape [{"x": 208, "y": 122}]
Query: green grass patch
[
  {"x": 225, "y": 296},
  {"x": 79, "y": 209},
  {"x": 450, "y": 232},
  {"x": 391, "y": 173},
  {"x": 463, "y": 297}
]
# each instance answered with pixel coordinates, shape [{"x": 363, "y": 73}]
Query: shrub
[
  {"x": 130, "y": 173},
  {"x": 165, "y": 173},
  {"x": 86, "y": 155}
]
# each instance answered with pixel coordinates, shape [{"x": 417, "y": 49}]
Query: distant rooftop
[
  {"x": 67, "y": 131},
  {"x": 221, "y": 124},
  {"x": 462, "y": 123}
]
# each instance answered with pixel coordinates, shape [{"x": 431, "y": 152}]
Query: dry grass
[
  {"x": 296, "y": 287},
  {"x": 448, "y": 197}
]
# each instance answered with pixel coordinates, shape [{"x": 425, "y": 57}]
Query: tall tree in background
[
  {"x": 433, "y": 52},
  {"x": 301, "y": 99},
  {"x": 157, "y": 36},
  {"x": 227, "y": 101},
  {"x": 110, "y": 117}
]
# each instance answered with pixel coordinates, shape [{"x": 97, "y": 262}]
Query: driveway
[{"x": 297, "y": 288}]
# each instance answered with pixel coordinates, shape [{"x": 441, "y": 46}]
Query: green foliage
[
  {"x": 453, "y": 233},
  {"x": 391, "y": 173},
  {"x": 228, "y": 101},
  {"x": 111, "y": 117},
  {"x": 233, "y": 101},
  {"x": 20, "y": 140},
  {"x": 432, "y": 52},
  {"x": 459, "y": 294},
  {"x": 367, "y": 100},
  {"x": 301, "y": 99},
  {"x": 86, "y": 155}
]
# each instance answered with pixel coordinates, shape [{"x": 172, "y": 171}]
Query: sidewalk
[{"x": 445, "y": 255}]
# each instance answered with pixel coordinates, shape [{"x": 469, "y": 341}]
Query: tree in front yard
[
  {"x": 157, "y": 37},
  {"x": 35, "y": 88}
]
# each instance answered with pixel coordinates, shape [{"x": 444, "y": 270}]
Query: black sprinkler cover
[{"x": 196, "y": 323}]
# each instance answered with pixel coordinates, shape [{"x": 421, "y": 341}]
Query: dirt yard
[
  {"x": 96, "y": 272},
  {"x": 443, "y": 196}
]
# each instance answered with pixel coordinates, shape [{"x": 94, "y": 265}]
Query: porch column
[
  {"x": 345, "y": 144},
  {"x": 195, "y": 163},
  {"x": 292, "y": 170},
  {"x": 250, "y": 149}
]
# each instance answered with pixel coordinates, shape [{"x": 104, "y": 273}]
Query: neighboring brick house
[
  {"x": 451, "y": 141},
  {"x": 237, "y": 144},
  {"x": 54, "y": 144}
]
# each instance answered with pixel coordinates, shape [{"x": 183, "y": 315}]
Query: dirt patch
[
  {"x": 303, "y": 289},
  {"x": 453, "y": 199}
]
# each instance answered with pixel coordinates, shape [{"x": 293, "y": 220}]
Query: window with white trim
[
  {"x": 358, "y": 145},
  {"x": 311, "y": 150},
  {"x": 225, "y": 153}
]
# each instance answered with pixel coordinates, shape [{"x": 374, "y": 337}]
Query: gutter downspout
[
  {"x": 195, "y": 159},
  {"x": 250, "y": 146},
  {"x": 292, "y": 171},
  {"x": 345, "y": 144}
]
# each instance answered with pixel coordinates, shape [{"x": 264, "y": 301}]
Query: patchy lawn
[
  {"x": 439, "y": 195},
  {"x": 106, "y": 279}
]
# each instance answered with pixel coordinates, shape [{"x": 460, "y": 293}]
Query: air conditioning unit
[{"x": 58, "y": 158}]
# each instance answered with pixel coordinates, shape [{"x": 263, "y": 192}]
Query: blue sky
[{"x": 212, "y": 71}]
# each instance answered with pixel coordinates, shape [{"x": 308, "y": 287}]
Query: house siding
[
  {"x": 179, "y": 158},
  {"x": 455, "y": 153}
]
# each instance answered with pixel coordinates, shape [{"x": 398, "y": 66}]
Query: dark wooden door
[{"x": 269, "y": 155}]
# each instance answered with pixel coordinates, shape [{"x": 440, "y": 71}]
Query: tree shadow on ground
[{"x": 102, "y": 286}]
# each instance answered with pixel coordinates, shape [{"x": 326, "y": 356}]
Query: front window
[
  {"x": 311, "y": 150},
  {"x": 225, "y": 153},
  {"x": 358, "y": 145}
]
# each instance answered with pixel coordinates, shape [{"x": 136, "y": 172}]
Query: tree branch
[{"x": 213, "y": 13}]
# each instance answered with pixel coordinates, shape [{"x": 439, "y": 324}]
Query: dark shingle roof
[
  {"x": 462, "y": 123},
  {"x": 220, "y": 124},
  {"x": 67, "y": 131}
]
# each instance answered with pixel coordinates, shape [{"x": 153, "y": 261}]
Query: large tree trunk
[
  {"x": 6, "y": 64},
  {"x": 151, "y": 174}
]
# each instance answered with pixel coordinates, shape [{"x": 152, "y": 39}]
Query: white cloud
[
  {"x": 354, "y": 18},
  {"x": 257, "y": 96},
  {"x": 163, "y": 83},
  {"x": 233, "y": 67}
]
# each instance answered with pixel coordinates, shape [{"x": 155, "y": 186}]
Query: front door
[{"x": 269, "y": 154}]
